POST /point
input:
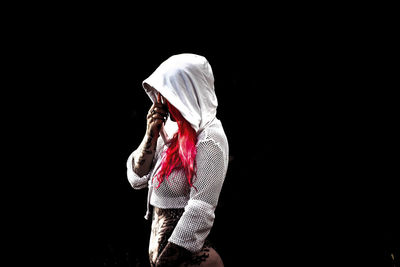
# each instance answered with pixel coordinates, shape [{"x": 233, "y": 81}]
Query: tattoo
[
  {"x": 149, "y": 139},
  {"x": 164, "y": 253},
  {"x": 164, "y": 222},
  {"x": 147, "y": 148},
  {"x": 141, "y": 161},
  {"x": 148, "y": 151},
  {"x": 144, "y": 159},
  {"x": 172, "y": 255},
  {"x": 199, "y": 258}
]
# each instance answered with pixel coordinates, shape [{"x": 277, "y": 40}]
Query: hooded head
[{"x": 187, "y": 82}]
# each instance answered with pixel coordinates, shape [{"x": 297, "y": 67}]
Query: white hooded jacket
[{"x": 187, "y": 82}]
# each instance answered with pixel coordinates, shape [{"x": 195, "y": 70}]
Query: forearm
[{"x": 143, "y": 158}]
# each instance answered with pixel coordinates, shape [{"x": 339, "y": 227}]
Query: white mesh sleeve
[
  {"x": 198, "y": 218},
  {"x": 134, "y": 179}
]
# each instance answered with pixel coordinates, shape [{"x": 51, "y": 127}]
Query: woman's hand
[{"x": 156, "y": 117}]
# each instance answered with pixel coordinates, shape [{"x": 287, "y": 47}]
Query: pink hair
[{"x": 181, "y": 152}]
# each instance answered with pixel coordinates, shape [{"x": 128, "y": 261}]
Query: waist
[
  {"x": 167, "y": 214},
  {"x": 169, "y": 202}
]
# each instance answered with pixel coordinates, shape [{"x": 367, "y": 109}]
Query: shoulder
[
  {"x": 213, "y": 143},
  {"x": 214, "y": 133}
]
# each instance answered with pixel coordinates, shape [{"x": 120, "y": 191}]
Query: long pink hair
[{"x": 181, "y": 152}]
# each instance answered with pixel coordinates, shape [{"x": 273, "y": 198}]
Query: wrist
[{"x": 150, "y": 137}]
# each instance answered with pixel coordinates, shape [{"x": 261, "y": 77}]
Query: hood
[{"x": 187, "y": 82}]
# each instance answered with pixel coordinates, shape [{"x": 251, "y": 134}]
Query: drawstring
[
  {"x": 165, "y": 138},
  {"x": 148, "y": 213},
  {"x": 164, "y": 134}
]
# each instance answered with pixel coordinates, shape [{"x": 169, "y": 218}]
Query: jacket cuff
[
  {"x": 194, "y": 226},
  {"x": 135, "y": 180}
]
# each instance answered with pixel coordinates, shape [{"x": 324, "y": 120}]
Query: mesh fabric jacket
[{"x": 187, "y": 82}]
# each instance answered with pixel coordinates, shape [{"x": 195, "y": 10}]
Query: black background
[{"x": 281, "y": 82}]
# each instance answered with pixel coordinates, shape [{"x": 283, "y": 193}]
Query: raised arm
[{"x": 145, "y": 153}]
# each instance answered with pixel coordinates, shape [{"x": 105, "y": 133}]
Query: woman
[{"x": 185, "y": 168}]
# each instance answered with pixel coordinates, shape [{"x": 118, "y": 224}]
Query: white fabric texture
[{"x": 187, "y": 82}]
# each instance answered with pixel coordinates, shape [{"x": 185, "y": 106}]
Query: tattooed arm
[
  {"x": 142, "y": 160},
  {"x": 172, "y": 255},
  {"x": 155, "y": 118}
]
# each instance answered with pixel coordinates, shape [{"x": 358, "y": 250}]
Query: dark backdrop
[
  {"x": 107, "y": 122},
  {"x": 100, "y": 116},
  {"x": 96, "y": 117},
  {"x": 288, "y": 195}
]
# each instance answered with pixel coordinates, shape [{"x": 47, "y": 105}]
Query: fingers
[
  {"x": 156, "y": 120},
  {"x": 159, "y": 98},
  {"x": 158, "y": 109},
  {"x": 159, "y": 105},
  {"x": 161, "y": 111},
  {"x": 157, "y": 113},
  {"x": 157, "y": 116}
]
